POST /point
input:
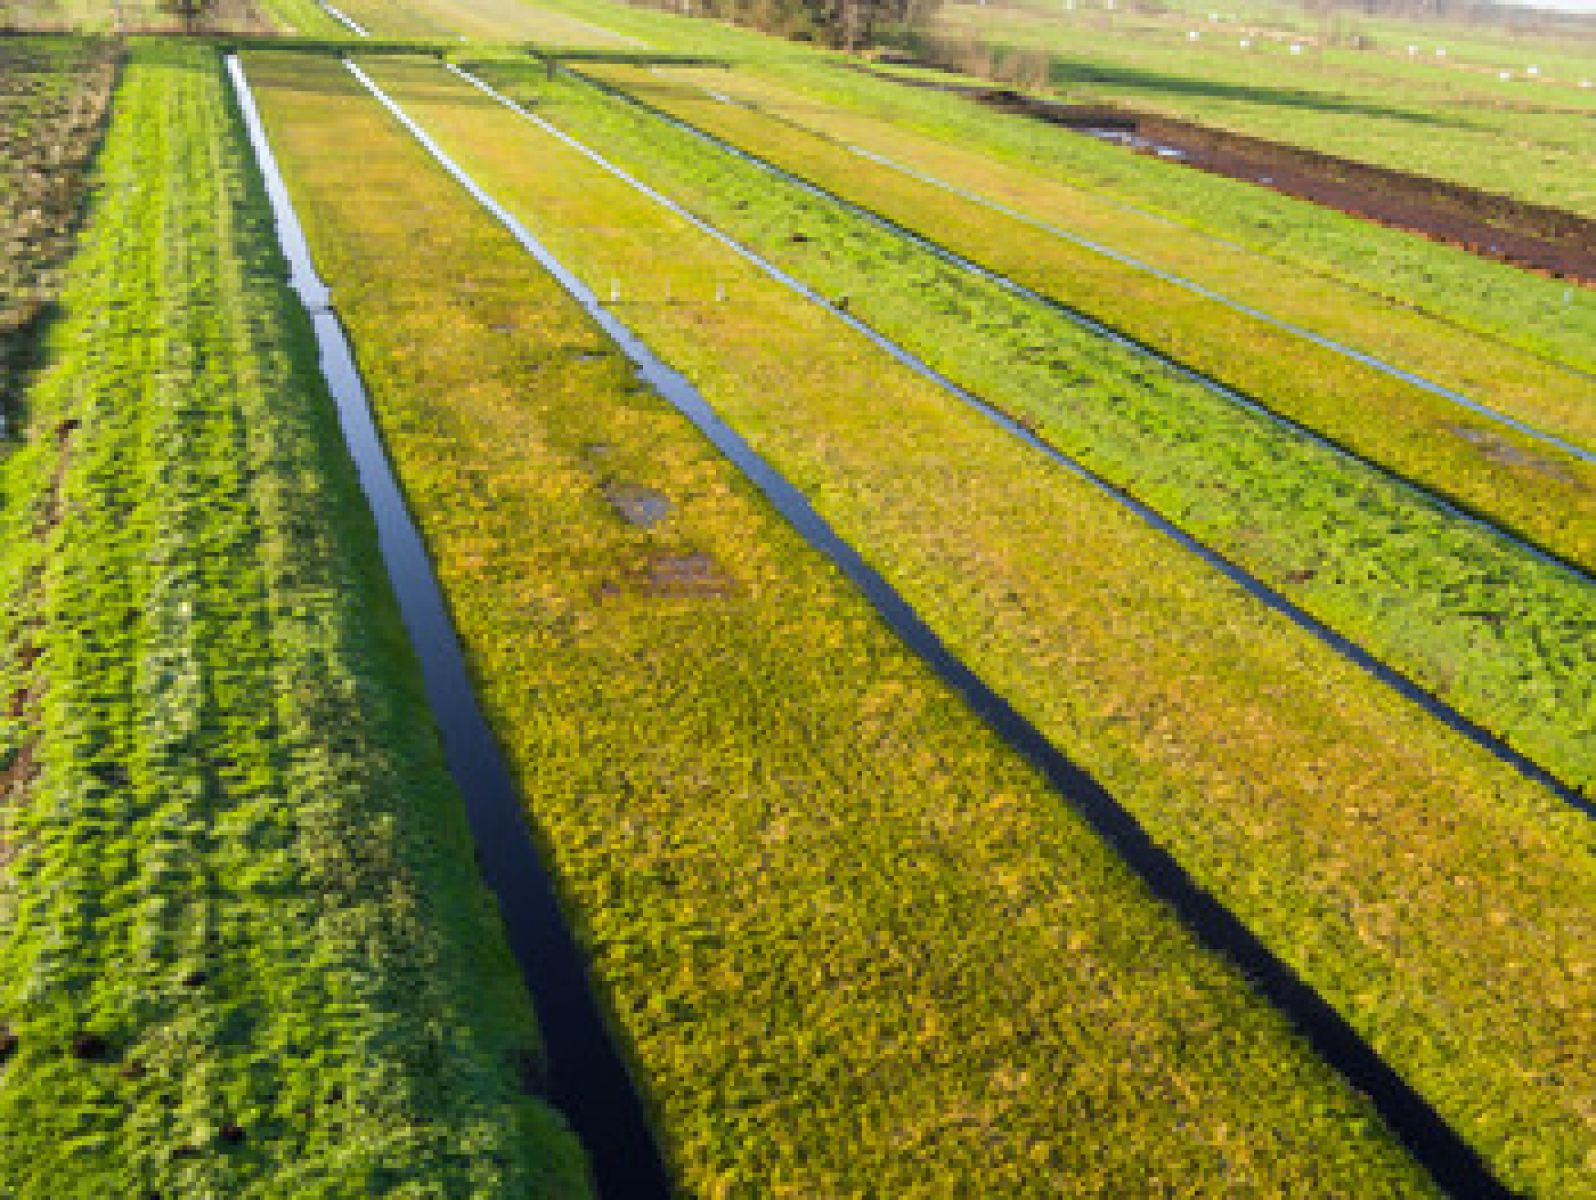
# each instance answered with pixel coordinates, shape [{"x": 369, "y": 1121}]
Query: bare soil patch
[{"x": 1546, "y": 240}]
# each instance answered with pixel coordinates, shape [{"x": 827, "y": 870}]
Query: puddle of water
[
  {"x": 1125, "y": 137},
  {"x": 641, "y": 506}
]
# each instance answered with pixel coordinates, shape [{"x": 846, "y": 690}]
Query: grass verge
[{"x": 246, "y": 951}]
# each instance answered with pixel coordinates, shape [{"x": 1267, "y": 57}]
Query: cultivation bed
[
  {"x": 979, "y": 553},
  {"x": 810, "y": 984}
]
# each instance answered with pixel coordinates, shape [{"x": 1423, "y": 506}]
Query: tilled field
[{"x": 53, "y": 97}]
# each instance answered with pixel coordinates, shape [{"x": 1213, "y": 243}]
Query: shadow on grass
[
  {"x": 1065, "y": 72},
  {"x": 1151, "y": 84},
  {"x": 22, "y": 361}
]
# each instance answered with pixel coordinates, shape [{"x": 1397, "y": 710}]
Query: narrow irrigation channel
[
  {"x": 1450, "y": 1160},
  {"x": 1400, "y": 683},
  {"x": 335, "y": 14},
  {"x": 589, "y": 1079},
  {"x": 1364, "y": 358}
]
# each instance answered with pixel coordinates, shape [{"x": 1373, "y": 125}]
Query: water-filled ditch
[{"x": 1451, "y": 1161}]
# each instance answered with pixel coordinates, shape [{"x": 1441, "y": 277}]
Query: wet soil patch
[
  {"x": 1499, "y": 450},
  {"x": 1547, "y": 240},
  {"x": 683, "y": 575},
  {"x": 641, "y": 506}
]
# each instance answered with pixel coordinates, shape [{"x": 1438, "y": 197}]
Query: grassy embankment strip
[
  {"x": 246, "y": 951},
  {"x": 855, "y": 946},
  {"x": 1395, "y": 422},
  {"x": 1500, "y": 635},
  {"x": 1235, "y": 740},
  {"x": 1514, "y": 306}
]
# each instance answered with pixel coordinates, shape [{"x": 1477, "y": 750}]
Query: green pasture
[
  {"x": 1518, "y": 137},
  {"x": 244, "y": 950}
]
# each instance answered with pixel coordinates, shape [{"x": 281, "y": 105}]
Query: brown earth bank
[{"x": 1546, "y": 240}]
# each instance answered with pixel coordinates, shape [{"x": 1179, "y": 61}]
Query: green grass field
[
  {"x": 849, "y": 942},
  {"x": 245, "y": 949}
]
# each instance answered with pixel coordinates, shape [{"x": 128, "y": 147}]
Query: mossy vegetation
[
  {"x": 854, "y": 945},
  {"x": 851, "y": 944},
  {"x": 1287, "y": 781}
]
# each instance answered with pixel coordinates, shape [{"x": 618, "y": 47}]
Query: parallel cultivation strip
[
  {"x": 857, "y": 946},
  {"x": 1230, "y": 340},
  {"x": 1023, "y": 434},
  {"x": 1439, "y": 901},
  {"x": 938, "y": 130},
  {"x": 245, "y": 949},
  {"x": 1500, "y": 635}
]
